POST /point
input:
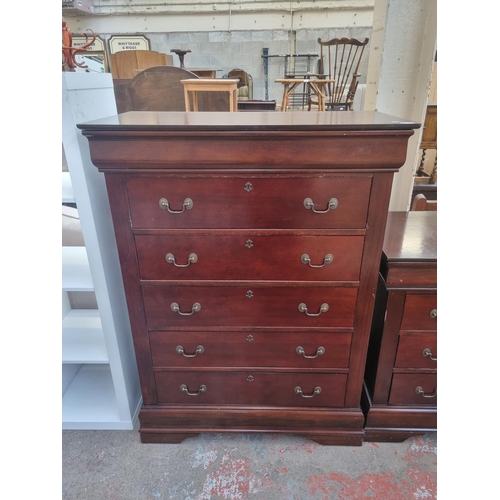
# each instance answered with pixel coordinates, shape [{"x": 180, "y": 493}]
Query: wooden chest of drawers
[
  {"x": 400, "y": 394},
  {"x": 249, "y": 246}
]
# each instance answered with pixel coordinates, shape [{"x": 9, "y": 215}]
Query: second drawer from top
[{"x": 249, "y": 257}]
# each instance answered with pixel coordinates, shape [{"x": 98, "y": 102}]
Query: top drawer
[
  {"x": 317, "y": 202},
  {"x": 420, "y": 312}
]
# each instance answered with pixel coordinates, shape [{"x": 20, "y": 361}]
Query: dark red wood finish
[
  {"x": 404, "y": 326},
  {"x": 268, "y": 349},
  {"x": 404, "y": 385},
  {"x": 242, "y": 306},
  {"x": 410, "y": 348},
  {"x": 250, "y": 256},
  {"x": 247, "y": 177},
  {"x": 251, "y": 388},
  {"x": 249, "y": 202}
]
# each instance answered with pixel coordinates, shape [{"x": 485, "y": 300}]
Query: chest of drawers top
[
  {"x": 148, "y": 141},
  {"x": 409, "y": 253}
]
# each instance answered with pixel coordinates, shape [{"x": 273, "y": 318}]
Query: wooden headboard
[{"x": 129, "y": 63}]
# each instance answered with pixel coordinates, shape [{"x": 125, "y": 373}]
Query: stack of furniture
[
  {"x": 400, "y": 396},
  {"x": 250, "y": 245},
  {"x": 160, "y": 89}
]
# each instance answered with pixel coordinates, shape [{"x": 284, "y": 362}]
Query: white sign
[
  {"x": 98, "y": 45},
  {"x": 118, "y": 43}
]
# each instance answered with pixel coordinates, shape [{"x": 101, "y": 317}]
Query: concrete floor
[{"x": 115, "y": 465}]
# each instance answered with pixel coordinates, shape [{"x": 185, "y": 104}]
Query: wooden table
[
  {"x": 195, "y": 85},
  {"x": 315, "y": 85}
]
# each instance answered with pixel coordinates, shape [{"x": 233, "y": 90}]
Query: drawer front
[
  {"x": 235, "y": 306},
  {"x": 418, "y": 313},
  {"x": 403, "y": 389},
  {"x": 417, "y": 350},
  {"x": 251, "y": 388},
  {"x": 244, "y": 349},
  {"x": 249, "y": 203},
  {"x": 249, "y": 257}
]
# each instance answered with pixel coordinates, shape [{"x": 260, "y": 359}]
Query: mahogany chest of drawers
[
  {"x": 249, "y": 245},
  {"x": 400, "y": 394}
]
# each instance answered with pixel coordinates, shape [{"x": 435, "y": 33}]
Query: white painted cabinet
[{"x": 100, "y": 388}]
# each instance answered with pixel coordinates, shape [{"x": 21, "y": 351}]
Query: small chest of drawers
[
  {"x": 249, "y": 245},
  {"x": 400, "y": 394}
]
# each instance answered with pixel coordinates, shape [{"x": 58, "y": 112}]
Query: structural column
[{"x": 402, "y": 49}]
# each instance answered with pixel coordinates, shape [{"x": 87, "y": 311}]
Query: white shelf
[
  {"x": 67, "y": 189},
  {"x": 100, "y": 382},
  {"x": 76, "y": 276},
  {"x": 90, "y": 401},
  {"x": 83, "y": 338}
]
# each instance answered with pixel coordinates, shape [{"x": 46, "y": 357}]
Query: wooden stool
[{"x": 211, "y": 85}]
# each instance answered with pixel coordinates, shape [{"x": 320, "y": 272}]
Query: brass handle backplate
[
  {"x": 301, "y": 352},
  {"x": 192, "y": 259},
  {"x": 332, "y": 205},
  {"x": 175, "y": 307},
  {"x": 187, "y": 205},
  {"x": 323, "y": 309},
  {"x": 427, "y": 353},
  {"x": 420, "y": 391},
  {"x": 199, "y": 350},
  {"x": 328, "y": 259},
  {"x": 202, "y": 388},
  {"x": 298, "y": 390}
]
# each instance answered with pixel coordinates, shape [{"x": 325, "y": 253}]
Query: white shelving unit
[{"x": 100, "y": 388}]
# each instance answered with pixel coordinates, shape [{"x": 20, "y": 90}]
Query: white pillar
[{"x": 402, "y": 48}]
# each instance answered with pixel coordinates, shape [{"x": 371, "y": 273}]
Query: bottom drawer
[
  {"x": 413, "y": 389},
  {"x": 251, "y": 388}
]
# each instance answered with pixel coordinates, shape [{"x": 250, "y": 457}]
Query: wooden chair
[
  {"x": 160, "y": 89},
  {"x": 429, "y": 141},
  {"x": 245, "y": 84},
  {"x": 422, "y": 204},
  {"x": 343, "y": 57}
]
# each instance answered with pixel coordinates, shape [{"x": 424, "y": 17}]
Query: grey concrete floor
[{"x": 115, "y": 465}]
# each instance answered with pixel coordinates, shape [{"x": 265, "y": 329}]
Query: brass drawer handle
[
  {"x": 319, "y": 352},
  {"x": 433, "y": 314},
  {"x": 199, "y": 350},
  {"x": 298, "y": 390},
  {"x": 332, "y": 205},
  {"x": 192, "y": 259},
  {"x": 175, "y": 307},
  {"x": 427, "y": 353},
  {"x": 420, "y": 391},
  {"x": 328, "y": 259},
  {"x": 187, "y": 205},
  {"x": 203, "y": 388},
  {"x": 323, "y": 309}
]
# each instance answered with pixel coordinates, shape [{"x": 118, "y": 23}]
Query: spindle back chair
[{"x": 343, "y": 58}]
